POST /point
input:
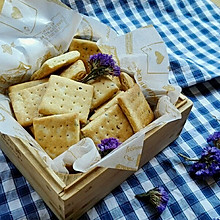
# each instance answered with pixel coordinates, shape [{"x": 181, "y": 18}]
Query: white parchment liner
[
  {"x": 141, "y": 53},
  {"x": 30, "y": 33}
]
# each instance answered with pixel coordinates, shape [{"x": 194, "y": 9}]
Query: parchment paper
[{"x": 30, "y": 33}]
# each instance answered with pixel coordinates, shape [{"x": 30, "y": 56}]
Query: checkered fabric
[{"x": 191, "y": 30}]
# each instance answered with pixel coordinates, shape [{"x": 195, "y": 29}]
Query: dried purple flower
[
  {"x": 100, "y": 65},
  {"x": 214, "y": 140},
  {"x": 107, "y": 145},
  {"x": 157, "y": 196},
  {"x": 207, "y": 165}
]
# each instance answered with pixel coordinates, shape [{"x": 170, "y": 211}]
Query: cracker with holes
[
  {"x": 113, "y": 123},
  {"x": 76, "y": 71},
  {"x": 25, "y": 103},
  {"x": 127, "y": 81},
  {"x": 116, "y": 80},
  {"x": 101, "y": 110},
  {"x": 64, "y": 95},
  {"x": 104, "y": 89},
  {"x": 55, "y": 63},
  {"x": 26, "y": 85},
  {"x": 86, "y": 49},
  {"x": 56, "y": 133},
  {"x": 136, "y": 108}
]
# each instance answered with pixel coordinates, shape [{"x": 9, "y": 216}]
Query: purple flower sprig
[
  {"x": 207, "y": 165},
  {"x": 214, "y": 139},
  {"x": 107, "y": 145},
  {"x": 100, "y": 65},
  {"x": 157, "y": 196}
]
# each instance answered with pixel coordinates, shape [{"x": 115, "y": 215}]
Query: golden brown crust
[
  {"x": 76, "y": 71},
  {"x": 57, "y": 133},
  {"x": 112, "y": 123},
  {"x": 106, "y": 106},
  {"x": 104, "y": 89},
  {"x": 127, "y": 81},
  {"x": 25, "y": 85},
  {"x": 55, "y": 63},
  {"x": 64, "y": 95},
  {"x": 25, "y": 103},
  {"x": 136, "y": 108},
  {"x": 86, "y": 49}
]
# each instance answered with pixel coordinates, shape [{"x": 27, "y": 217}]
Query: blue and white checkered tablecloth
[{"x": 191, "y": 31}]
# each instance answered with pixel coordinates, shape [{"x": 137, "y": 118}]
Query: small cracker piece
[
  {"x": 86, "y": 49},
  {"x": 117, "y": 81},
  {"x": 113, "y": 123},
  {"x": 55, "y": 63},
  {"x": 127, "y": 81},
  {"x": 57, "y": 133},
  {"x": 76, "y": 71},
  {"x": 64, "y": 95},
  {"x": 26, "y": 85},
  {"x": 104, "y": 89},
  {"x": 101, "y": 110},
  {"x": 136, "y": 108},
  {"x": 25, "y": 103}
]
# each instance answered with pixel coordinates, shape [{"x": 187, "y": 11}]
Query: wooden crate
[{"x": 69, "y": 196}]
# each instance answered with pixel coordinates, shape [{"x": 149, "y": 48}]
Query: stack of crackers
[{"x": 59, "y": 110}]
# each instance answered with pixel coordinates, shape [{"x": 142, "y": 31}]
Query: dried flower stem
[
  {"x": 188, "y": 158},
  {"x": 100, "y": 71}
]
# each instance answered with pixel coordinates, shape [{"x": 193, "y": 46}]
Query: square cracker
[
  {"x": 106, "y": 106},
  {"x": 76, "y": 71},
  {"x": 55, "y": 63},
  {"x": 136, "y": 108},
  {"x": 25, "y": 103},
  {"x": 86, "y": 49},
  {"x": 26, "y": 85},
  {"x": 56, "y": 133},
  {"x": 104, "y": 89},
  {"x": 113, "y": 123},
  {"x": 64, "y": 95}
]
